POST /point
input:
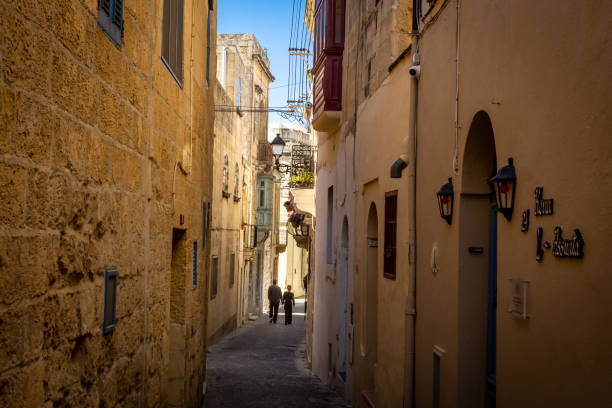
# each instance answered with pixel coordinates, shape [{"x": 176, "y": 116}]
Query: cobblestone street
[{"x": 262, "y": 365}]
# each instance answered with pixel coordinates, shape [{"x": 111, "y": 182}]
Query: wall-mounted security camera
[{"x": 415, "y": 71}]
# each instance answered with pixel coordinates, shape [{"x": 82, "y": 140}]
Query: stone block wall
[{"x": 102, "y": 154}]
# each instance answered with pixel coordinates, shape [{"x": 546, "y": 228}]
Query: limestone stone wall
[{"x": 102, "y": 155}]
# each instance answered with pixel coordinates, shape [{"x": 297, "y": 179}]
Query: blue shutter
[
  {"x": 118, "y": 13},
  {"x": 195, "y": 263},
  {"x": 110, "y": 20}
]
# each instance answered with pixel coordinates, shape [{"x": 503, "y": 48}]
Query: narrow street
[{"x": 262, "y": 365}]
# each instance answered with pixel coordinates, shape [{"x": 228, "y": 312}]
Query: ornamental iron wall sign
[
  {"x": 568, "y": 248},
  {"x": 525, "y": 222},
  {"x": 302, "y": 166},
  {"x": 539, "y": 250},
  {"x": 543, "y": 206}
]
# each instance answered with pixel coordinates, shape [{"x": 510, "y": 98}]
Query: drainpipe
[{"x": 410, "y": 354}]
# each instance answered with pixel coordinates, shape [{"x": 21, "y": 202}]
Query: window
[
  {"x": 225, "y": 174},
  {"x": 256, "y": 126},
  {"x": 330, "y": 222},
  {"x": 329, "y": 25},
  {"x": 110, "y": 20},
  {"x": 204, "y": 215},
  {"x": 110, "y": 301},
  {"x": 339, "y": 22},
  {"x": 172, "y": 38},
  {"x": 214, "y": 278},
  {"x": 238, "y": 93},
  {"x": 223, "y": 65},
  {"x": 195, "y": 263},
  {"x": 208, "y": 50},
  {"x": 390, "y": 234},
  {"x": 232, "y": 263},
  {"x": 236, "y": 181}
]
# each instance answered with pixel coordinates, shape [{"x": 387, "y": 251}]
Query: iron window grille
[
  {"x": 110, "y": 20},
  {"x": 110, "y": 301},
  {"x": 172, "y": 38}
]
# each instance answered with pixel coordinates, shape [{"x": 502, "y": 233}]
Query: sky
[{"x": 270, "y": 21}]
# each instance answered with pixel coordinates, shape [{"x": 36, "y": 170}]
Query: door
[{"x": 491, "y": 309}]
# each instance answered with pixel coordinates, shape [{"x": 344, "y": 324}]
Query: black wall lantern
[
  {"x": 278, "y": 145},
  {"x": 445, "y": 200},
  {"x": 504, "y": 185}
]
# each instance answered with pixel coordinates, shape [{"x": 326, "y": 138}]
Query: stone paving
[{"x": 262, "y": 365}]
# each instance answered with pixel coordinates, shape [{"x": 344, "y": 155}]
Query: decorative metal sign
[
  {"x": 568, "y": 248},
  {"x": 543, "y": 206},
  {"x": 525, "y": 222},
  {"x": 518, "y": 298},
  {"x": 539, "y": 250}
]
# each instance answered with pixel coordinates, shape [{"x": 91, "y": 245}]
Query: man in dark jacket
[{"x": 274, "y": 297}]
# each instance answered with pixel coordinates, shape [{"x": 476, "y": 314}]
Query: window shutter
[
  {"x": 104, "y": 11},
  {"x": 110, "y": 19},
  {"x": 179, "y": 42},
  {"x": 118, "y": 13},
  {"x": 105, "y": 5}
]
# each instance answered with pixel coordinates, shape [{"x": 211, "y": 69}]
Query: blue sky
[{"x": 270, "y": 21}]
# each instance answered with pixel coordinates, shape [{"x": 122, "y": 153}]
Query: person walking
[
  {"x": 288, "y": 303},
  {"x": 274, "y": 297}
]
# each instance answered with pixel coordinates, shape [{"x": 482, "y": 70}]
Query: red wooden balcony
[{"x": 327, "y": 70}]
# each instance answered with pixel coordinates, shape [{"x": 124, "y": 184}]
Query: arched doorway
[
  {"x": 342, "y": 287},
  {"x": 371, "y": 299},
  {"x": 477, "y": 268}
]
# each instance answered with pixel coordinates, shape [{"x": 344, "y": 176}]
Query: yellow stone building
[
  {"x": 242, "y": 88},
  {"x": 105, "y": 162}
]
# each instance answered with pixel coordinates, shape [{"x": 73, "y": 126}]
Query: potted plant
[{"x": 296, "y": 219}]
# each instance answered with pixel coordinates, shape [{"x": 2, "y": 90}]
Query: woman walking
[{"x": 288, "y": 303}]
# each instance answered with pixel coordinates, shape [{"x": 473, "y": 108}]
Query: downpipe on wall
[
  {"x": 408, "y": 159},
  {"x": 410, "y": 346},
  {"x": 409, "y": 400}
]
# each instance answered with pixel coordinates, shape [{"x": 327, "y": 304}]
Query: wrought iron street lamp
[
  {"x": 445, "y": 200},
  {"x": 504, "y": 185},
  {"x": 278, "y": 146}
]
